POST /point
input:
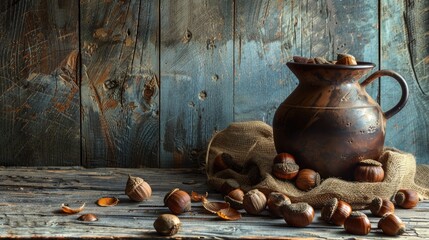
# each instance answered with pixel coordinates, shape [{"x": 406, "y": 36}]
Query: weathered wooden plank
[
  {"x": 404, "y": 49},
  {"x": 267, "y": 35},
  {"x": 220, "y": 63},
  {"x": 39, "y": 83},
  {"x": 30, "y": 200},
  {"x": 119, "y": 45},
  {"x": 196, "y": 74},
  {"x": 332, "y": 27}
]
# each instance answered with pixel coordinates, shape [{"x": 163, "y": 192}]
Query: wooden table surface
[{"x": 30, "y": 200}]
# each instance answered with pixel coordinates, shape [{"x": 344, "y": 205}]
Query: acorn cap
[
  {"x": 329, "y": 209},
  {"x": 370, "y": 162}
]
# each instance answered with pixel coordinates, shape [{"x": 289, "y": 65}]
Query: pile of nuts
[
  {"x": 342, "y": 59},
  {"x": 338, "y": 212},
  {"x": 279, "y": 205},
  {"x": 335, "y": 211}
]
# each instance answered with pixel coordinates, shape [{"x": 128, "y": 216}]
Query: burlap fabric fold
[{"x": 251, "y": 145}]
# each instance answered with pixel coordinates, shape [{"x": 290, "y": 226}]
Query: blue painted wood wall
[{"x": 125, "y": 83}]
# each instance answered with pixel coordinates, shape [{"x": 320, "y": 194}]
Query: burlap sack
[{"x": 251, "y": 145}]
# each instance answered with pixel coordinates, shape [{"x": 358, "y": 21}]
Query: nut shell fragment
[
  {"x": 66, "y": 209},
  {"x": 197, "y": 197},
  {"x": 107, "y": 202},
  {"x": 229, "y": 214},
  {"x": 89, "y": 217},
  {"x": 215, "y": 207}
]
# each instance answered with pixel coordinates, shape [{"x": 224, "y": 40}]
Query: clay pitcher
[{"x": 329, "y": 122}]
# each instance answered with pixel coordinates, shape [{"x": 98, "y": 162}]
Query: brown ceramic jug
[{"x": 329, "y": 122}]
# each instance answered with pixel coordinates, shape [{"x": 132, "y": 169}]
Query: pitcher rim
[{"x": 360, "y": 65}]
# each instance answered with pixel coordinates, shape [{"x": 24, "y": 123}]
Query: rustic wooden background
[{"x": 123, "y": 83}]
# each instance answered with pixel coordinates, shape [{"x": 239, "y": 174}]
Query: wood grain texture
[
  {"x": 196, "y": 72},
  {"x": 404, "y": 49},
  {"x": 30, "y": 201},
  {"x": 331, "y": 27},
  {"x": 39, "y": 84},
  {"x": 267, "y": 35},
  {"x": 334, "y": 26},
  {"x": 160, "y": 77},
  {"x": 120, "y": 83}
]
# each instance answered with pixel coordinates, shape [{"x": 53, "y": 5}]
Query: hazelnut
[
  {"x": 235, "y": 198},
  {"x": 391, "y": 225},
  {"x": 224, "y": 161},
  {"x": 336, "y": 211},
  {"x": 254, "y": 202},
  {"x": 275, "y": 202},
  {"x": 167, "y": 224},
  {"x": 357, "y": 223},
  {"x": 178, "y": 201},
  {"x": 228, "y": 185},
  {"x": 369, "y": 171},
  {"x": 219, "y": 163},
  {"x": 284, "y": 166},
  {"x": 298, "y": 214},
  {"x": 379, "y": 206},
  {"x": 406, "y": 198},
  {"x": 137, "y": 189},
  {"x": 346, "y": 59},
  {"x": 307, "y": 179}
]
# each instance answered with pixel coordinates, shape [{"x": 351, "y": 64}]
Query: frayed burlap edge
[{"x": 252, "y": 146}]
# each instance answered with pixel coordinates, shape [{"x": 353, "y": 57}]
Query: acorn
[
  {"x": 235, "y": 198},
  {"x": 379, "y": 206},
  {"x": 357, "y": 223},
  {"x": 307, "y": 179},
  {"x": 137, "y": 189},
  {"x": 336, "y": 211},
  {"x": 275, "y": 202},
  {"x": 167, "y": 224},
  {"x": 369, "y": 170},
  {"x": 298, "y": 214},
  {"x": 254, "y": 202},
  {"x": 178, "y": 201},
  {"x": 391, "y": 225},
  {"x": 284, "y": 166},
  {"x": 406, "y": 198}
]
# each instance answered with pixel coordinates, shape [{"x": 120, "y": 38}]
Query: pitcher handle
[{"x": 404, "y": 88}]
